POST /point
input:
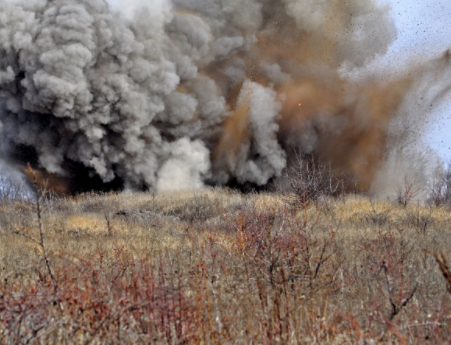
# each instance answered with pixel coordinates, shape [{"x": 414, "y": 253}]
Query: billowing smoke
[{"x": 198, "y": 91}]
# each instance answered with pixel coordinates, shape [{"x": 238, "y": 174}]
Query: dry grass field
[{"x": 219, "y": 267}]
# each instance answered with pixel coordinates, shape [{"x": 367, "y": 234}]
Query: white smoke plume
[{"x": 160, "y": 95}]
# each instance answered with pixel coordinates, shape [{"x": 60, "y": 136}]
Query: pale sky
[{"x": 424, "y": 27}]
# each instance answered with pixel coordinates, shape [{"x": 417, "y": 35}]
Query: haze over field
[{"x": 174, "y": 96}]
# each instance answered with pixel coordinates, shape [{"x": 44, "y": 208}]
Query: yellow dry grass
[{"x": 229, "y": 235}]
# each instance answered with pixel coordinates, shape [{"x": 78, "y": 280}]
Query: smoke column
[{"x": 192, "y": 92}]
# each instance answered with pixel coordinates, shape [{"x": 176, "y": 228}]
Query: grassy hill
[{"x": 219, "y": 267}]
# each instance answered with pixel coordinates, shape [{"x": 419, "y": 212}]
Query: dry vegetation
[{"x": 219, "y": 267}]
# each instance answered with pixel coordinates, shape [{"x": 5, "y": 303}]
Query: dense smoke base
[{"x": 199, "y": 91}]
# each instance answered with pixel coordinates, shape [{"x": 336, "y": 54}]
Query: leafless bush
[
  {"x": 407, "y": 191},
  {"x": 374, "y": 216},
  {"x": 440, "y": 191},
  {"x": 310, "y": 181},
  {"x": 12, "y": 186},
  {"x": 40, "y": 239},
  {"x": 421, "y": 221}
]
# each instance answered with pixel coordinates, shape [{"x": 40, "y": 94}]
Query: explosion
[{"x": 199, "y": 91}]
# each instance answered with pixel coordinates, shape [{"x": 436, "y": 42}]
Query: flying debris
[{"x": 199, "y": 92}]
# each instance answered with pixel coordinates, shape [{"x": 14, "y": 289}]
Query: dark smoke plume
[{"x": 197, "y": 91}]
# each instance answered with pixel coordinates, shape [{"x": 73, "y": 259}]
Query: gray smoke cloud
[{"x": 143, "y": 94}]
